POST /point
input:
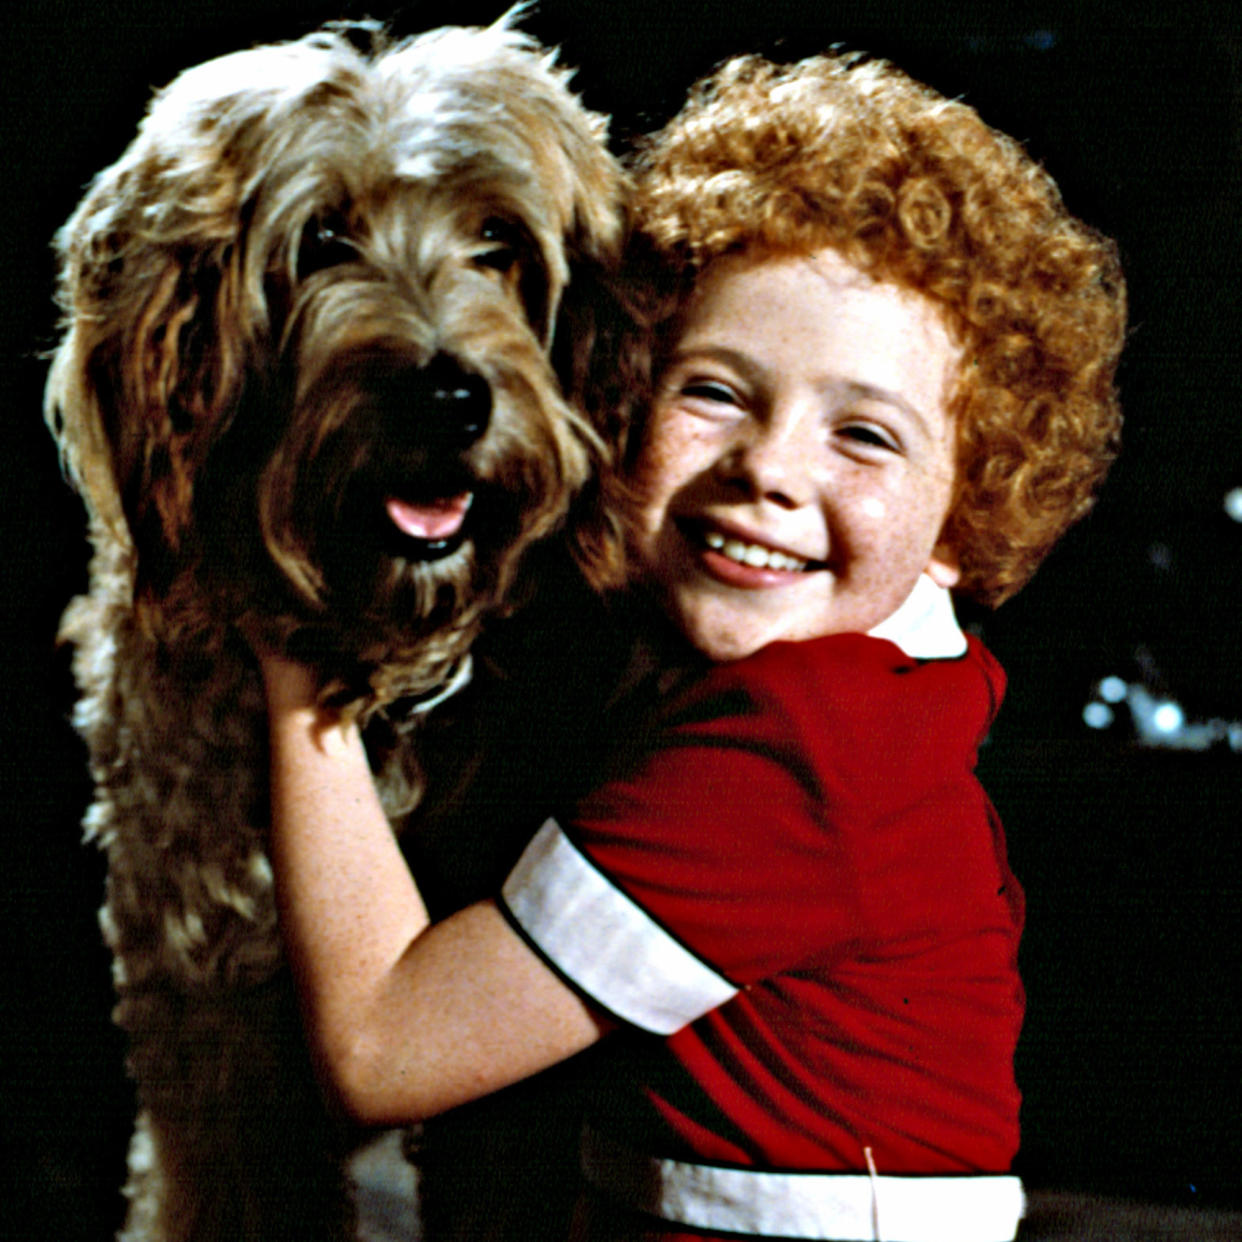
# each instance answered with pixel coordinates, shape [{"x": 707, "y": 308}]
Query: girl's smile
[{"x": 729, "y": 553}]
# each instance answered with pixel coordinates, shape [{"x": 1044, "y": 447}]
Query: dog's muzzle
[{"x": 435, "y": 414}]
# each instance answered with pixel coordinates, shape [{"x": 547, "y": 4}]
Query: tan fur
[{"x": 255, "y": 297}]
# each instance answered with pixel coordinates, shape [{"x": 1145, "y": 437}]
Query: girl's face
[{"x": 798, "y": 459}]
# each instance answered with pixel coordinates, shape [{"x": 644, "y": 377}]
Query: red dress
[{"x": 795, "y": 896}]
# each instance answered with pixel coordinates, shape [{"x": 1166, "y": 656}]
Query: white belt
[{"x": 826, "y": 1207}]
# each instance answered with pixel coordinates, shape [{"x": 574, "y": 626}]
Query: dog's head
[{"x": 306, "y": 378}]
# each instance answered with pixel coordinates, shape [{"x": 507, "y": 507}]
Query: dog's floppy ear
[
  {"x": 151, "y": 363},
  {"x": 593, "y": 356},
  {"x": 590, "y": 320},
  {"x": 593, "y": 192}
]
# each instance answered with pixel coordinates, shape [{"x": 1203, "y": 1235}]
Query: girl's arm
[{"x": 408, "y": 1019}]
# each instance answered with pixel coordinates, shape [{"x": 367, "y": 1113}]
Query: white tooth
[{"x": 752, "y": 554}]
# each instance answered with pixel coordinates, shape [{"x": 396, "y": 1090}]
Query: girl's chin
[{"x": 721, "y": 636}]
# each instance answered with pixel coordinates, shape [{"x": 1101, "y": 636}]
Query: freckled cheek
[
  {"x": 654, "y": 480},
  {"x": 901, "y": 528},
  {"x": 670, "y": 459}
]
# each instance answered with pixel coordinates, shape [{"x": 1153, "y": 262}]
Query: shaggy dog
[{"x": 307, "y": 389}]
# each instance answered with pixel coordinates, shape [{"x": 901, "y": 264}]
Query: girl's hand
[
  {"x": 290, "y": 686},
  {"x": 287, "y": 683}
]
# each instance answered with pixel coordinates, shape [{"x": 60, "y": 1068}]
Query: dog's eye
[
  {"x": 503, "y": 244},
  {"x": 324, "y": 244}
]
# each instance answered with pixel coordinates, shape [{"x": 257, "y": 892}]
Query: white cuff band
[{"x": 605, "y": 943}]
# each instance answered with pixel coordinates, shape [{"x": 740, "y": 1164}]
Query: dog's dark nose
[{"x": 449, "y": 407}]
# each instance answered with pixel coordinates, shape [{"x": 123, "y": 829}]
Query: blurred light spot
[
  {"x": 1168, "y": 718},
  {"x": 1097, "y": 715},
  {"x": 1233, "y": 504},
  {"x": 1160, "y": 555},
  {"x": 1042, "y": 40},
  {"x": 1113, "y": 689}
]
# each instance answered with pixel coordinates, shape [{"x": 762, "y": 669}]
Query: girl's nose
[{"x": 777, "y": 460}]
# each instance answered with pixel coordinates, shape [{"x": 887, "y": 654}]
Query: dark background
[{"x": 1130, "y": 1062}]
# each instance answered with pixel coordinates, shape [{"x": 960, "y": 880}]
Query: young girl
[{"x": 883, "y": 361}]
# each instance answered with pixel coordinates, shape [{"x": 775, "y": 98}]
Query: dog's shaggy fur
[{"x": 307, "y": 389}]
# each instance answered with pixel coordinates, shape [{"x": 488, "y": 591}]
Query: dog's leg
[{"x": 233, "y": 1141}]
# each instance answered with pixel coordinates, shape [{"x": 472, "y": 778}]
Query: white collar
[{"x": 925, "y": 626}]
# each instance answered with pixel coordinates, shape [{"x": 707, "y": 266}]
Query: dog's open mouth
[{"x": 428, "y": 527}]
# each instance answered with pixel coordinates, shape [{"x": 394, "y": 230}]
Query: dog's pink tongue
[{"x": 432, "y": 520}]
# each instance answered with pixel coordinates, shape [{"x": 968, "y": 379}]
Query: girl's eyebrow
[
  {"x": 875, "y": 392},
  {"x": 735, "y": 358}
]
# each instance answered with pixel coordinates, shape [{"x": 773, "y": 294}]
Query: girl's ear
[{"x": 943, "y": 568}]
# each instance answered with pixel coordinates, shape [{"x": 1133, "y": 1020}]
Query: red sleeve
[{"x": 752, "y": 827}]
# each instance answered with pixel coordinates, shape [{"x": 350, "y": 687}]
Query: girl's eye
[
  {"x": 709, "y": 390},
  {"x": 870, "y": 435}
]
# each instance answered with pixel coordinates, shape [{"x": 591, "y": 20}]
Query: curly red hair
[{"x": 853, "y": 154}]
